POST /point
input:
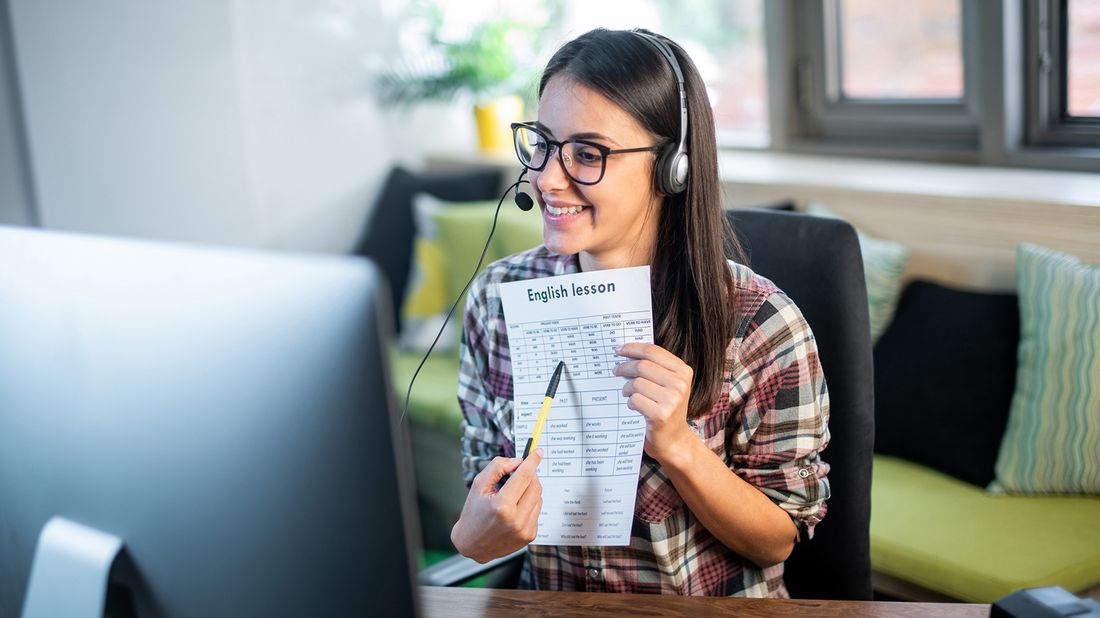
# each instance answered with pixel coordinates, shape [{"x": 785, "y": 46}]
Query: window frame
[
  {"x": 1047, "y": 34},
  {"x": 825, "y": 113},
  {"x": 991, "y": 125}
]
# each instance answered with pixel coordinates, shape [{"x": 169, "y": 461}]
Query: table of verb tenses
[{"x": 592, "y": 443}]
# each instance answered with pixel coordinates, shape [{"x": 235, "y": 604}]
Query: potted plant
[{"x": 488, "y": 63}]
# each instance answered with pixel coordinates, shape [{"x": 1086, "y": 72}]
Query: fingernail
[{"x": 539, "y": 451}]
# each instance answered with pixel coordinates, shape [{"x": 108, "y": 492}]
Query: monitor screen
[{"x": 226, "y": 413}]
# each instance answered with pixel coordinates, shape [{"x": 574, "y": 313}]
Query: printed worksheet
[{"x": 592, "y": 443}]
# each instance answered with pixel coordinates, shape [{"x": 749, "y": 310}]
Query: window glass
[
  {"x": 725, "y": 39},
  {"x": 1083, "y": 70},
  {"x": 901, "y": 49}
]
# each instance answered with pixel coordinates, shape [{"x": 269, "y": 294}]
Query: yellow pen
[{"x": 551, "y": 390}]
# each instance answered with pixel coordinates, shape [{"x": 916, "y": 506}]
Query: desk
[{"x": 477, "y": 602}]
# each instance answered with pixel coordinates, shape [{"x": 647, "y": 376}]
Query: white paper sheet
[{"x": 592, "y": 442}]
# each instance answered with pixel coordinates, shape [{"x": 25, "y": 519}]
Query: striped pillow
[{"x": 1052, "y": 441}]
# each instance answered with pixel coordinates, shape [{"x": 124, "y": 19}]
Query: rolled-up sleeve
[{"x": 781, "y": 425}]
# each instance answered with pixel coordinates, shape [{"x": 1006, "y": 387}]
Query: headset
[
  {"x": 670, "y": 173},
  {"x": 671, "y": 170}
]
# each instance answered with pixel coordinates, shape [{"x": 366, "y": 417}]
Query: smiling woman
[
  {"x": 731, "y": 392},
  {"x": 574, "y": 213}
]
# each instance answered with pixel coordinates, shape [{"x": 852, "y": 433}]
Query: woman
[{"x": 732, "y": 391}]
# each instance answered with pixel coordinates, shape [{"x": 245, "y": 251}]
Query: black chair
[{"x": 818, "y": 263}]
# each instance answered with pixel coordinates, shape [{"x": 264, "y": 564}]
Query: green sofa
[
  {"x": 952, "y": 538},
  {"x": 945, "y": 378},
  {"x": 434, "y": 419}
]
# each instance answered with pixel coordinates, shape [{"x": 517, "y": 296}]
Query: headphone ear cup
[
  {"x": 661, "y": 169},
  {"x": 671, "y": 170},
  {"x": 678, "y": 172}
]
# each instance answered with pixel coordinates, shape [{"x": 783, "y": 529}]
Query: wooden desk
[{"x": 476, "y": 602}]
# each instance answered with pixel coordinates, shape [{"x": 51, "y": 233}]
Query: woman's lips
[{"x": 559, "y": 210}]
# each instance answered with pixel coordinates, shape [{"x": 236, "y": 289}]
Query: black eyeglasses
[{"x": 583, "y": 161}]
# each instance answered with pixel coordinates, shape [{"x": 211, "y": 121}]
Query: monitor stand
[{"x": 69, "y": 574}]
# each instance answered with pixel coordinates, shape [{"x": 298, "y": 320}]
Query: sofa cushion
[
  {"x": 388, "y": 231},
  {"x": 463, "y": 232},
  {"x": 1052, "y": 443},
  {"x": 429, "y": 295},
  {"x": 956, "y": 539},
  {"x": 426, "y": 302},
  {"x": 944, "y": 374},
  {"x": 450, "y": 237},
  {"x": 433, "y": 402}
]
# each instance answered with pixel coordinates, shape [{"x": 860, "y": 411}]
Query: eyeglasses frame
[{"x": 604, "y": 150}]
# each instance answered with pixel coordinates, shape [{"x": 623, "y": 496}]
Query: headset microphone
[{"x": 523, "y": 200}]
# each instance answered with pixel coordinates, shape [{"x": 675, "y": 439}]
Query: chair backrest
[{"x": 817, "y": 262}]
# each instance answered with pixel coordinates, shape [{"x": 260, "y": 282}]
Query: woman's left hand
[{"x": 659, "y": 387}]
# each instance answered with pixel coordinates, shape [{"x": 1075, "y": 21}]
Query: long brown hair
[{"x": 693, "y": 291}]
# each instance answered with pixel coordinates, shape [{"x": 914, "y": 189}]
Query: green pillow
[
  {"x": 449, "y": 239},
  {"x": 883, "y": 263},
  {"x": 518, "y": 230},
  {"x": 463, "y": 229},
  {"x": 427, "y": 291},
  {"x": 427, "y": 297},
  {"x": 1052, "y": 441}
]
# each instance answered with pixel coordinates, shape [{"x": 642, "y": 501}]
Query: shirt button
[
  {"x": 804, "y": 473},
  {"x": 594, "y": 573}
]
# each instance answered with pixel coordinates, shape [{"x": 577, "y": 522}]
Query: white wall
[
  {"x": 318, "y": 144},
  {"x": 245, "y": 122}
]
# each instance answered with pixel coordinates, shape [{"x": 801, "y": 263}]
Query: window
[
  {"x": 725, "y": 39},
  {"x": 1004, "y": 82},
  {"x": 1013, "y": 82},
  {"x": 1064, "y": 73},
  {"x": 900, "y": 50},
  {"x": 1083, "y": 59},
  {"x": 875, "y": 74}
]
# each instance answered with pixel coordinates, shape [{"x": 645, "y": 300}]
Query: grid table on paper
[{"x": 589, "y": 432}]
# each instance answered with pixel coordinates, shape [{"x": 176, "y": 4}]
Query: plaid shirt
[{"x": 768, "y": 424}]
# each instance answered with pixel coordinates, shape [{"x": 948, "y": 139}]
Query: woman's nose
[{"x": 553, "y": 176}]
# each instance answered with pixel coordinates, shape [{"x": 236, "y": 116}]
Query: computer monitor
[{"x": 226, "y": 413}]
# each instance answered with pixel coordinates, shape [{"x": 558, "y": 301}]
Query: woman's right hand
[{"x": 496, "y": 522}]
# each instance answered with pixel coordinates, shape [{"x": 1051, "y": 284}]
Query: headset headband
[{"x": 666, "y": 51}]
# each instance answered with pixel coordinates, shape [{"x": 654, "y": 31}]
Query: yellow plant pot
[{"x": 493, "y": 120}]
